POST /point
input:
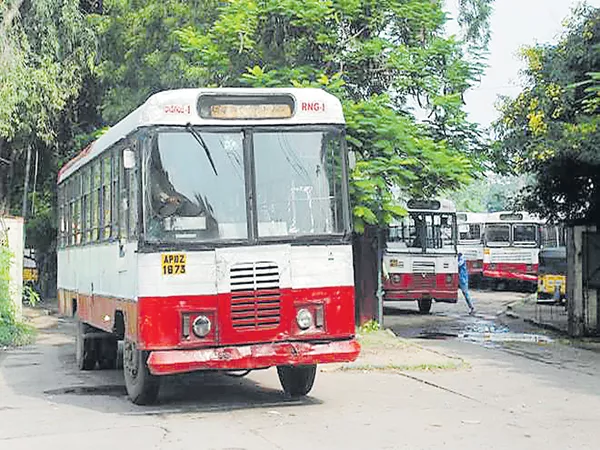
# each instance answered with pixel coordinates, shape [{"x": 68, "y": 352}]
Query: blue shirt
[{"x": 463, "y": 273}]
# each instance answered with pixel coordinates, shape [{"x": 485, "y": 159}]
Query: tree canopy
[
  {"x": 383, "y": 59},
  {"x": 70, "y": 68},
  {"x": 552, "y": 128}
]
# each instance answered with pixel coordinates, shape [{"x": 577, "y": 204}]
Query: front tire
[
  {"x": 142, "y": 386},
  {"x": 424, "y": 305},
  {"x": 297, "y": 381}
]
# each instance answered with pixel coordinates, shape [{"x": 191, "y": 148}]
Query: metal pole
[
  {"x": 35, "y": 175},
  {"x": 26, "y": 183}
]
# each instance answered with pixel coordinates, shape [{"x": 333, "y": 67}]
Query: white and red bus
[
  {"x": 511, "y": 247},
  {"x": 210, "y": 230},
  {"x": 470, "y": 239},
  {"x": 420, "y": 260}
]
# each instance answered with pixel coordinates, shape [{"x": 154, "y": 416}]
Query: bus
[
  {"x": 210, "y": 230},
  {"x": 420, "y": 259},
  {"x": 511, "y": 248},
  {"x": 552, "y": 272},
  {"x": 470, "y": 240}
]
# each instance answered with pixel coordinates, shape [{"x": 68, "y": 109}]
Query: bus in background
[
  {"x": 511, "y": 248},
  {"x": 552, "y": 273},
  {"x": 210, "y": 230},
  {"x": 470, "y": 241},
  {"x": 30, "y": 269},
  {"x": 420, "y": 260}
]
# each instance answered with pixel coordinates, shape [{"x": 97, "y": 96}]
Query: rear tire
[
  {"x": 297, "y": 381},
  {"x": 424, "y": 305},
  {"x": 85, "y": 351},
  {"x": 107, "y": 351},
  {"x": 142, "y": 386}
]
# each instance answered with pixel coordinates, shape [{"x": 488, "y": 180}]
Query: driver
[{"x": 166, "y": 201}]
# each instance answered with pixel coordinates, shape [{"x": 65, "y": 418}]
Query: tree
[
  {"x": 552, "y": 128},
  {"x": 489, "y": 193},
  {"x": 47, "y": 54},
  {"x": 377, "y": 57}
]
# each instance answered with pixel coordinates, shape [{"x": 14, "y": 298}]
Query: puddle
[
  {"x": 438, "y": 335},
  {"x": 485, "y": 327},
  {"x": 108, "y": 390}
]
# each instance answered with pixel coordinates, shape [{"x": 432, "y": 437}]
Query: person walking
[{"x": 463, "y": 281}]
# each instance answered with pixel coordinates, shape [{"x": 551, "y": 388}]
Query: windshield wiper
[{"x": 200, "y": 141}]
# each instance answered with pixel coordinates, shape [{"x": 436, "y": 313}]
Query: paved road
[
  {"x": 517, "y": 396},
  {"x": 451, "y": 320}
]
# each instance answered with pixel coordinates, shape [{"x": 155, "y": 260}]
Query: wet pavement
[{"x": 490, "y": 323}]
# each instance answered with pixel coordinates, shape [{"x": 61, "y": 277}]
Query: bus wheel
[
  {"x": 85, "y": 352},
  {"x": 425, "y": 305},
  {"x": 107, "y": 351},
  {"x": 142, "y": 386},
  {"x": 297, "y": 381}
]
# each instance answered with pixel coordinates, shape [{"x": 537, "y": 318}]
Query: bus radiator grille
[{"x": 255, "y": 296}]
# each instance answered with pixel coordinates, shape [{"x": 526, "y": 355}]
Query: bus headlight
[
  {"x": 201, "y": 326},
  {"x": 396, "y": 278},
  {"x": 304, "y": 319}
]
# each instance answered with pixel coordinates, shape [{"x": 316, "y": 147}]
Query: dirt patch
[{"x": 383, "y": 351}]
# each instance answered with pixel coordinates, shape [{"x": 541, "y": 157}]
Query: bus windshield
[
  {"x": 424, "y": 230},
  {"x": 469, "y": 232},
  {"x": 296, "y": 176},
  {"x": 524, "y": 234},
  {"x": 498, "y": 234}
]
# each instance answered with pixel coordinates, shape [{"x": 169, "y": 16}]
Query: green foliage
[
  {"x": 490, "y": 193},
  {"x": 552, "y": 128},
  {"x": 371, "y": 326},
  {"x": 12, "y": 332},
  {"x": 7, "y": 313},
  {"x": 376, "y": 57}
]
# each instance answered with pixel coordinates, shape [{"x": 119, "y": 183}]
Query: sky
[{"x": 514, "y": 24}]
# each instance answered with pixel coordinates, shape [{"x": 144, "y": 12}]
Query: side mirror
[
  {"x": 352, "y": 160},
  {"x": 128, "y": 159}
]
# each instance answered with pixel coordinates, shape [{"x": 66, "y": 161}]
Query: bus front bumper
[{"x": 256, "y": 356}]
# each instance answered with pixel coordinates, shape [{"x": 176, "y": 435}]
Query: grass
[
  {"x": 451, "y": 365},
  {"x": 16, "y": 334}
]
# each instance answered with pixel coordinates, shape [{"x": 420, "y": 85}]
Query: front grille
[
  {"x": 423, "y": 266},
  {"x": 424, "y": 281},
  {"x": 255, "y": 296}
]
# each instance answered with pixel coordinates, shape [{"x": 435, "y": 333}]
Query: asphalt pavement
[{"x": 508, "y": 394}]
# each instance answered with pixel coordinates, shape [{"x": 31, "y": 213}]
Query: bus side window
[
  {"x": 133, "y": 202},
  {"x": 116, "y": 174}
]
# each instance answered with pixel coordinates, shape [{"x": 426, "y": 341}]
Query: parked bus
[
  {"x": 552, "y": 273},
  {"x": 210, "y": 230},
  {"x": 511, "y": 247},
  {"x": 470, "y": 240},
  {"x": 420, "y": 260}
]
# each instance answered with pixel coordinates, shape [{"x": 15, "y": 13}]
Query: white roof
[
  {"x": 446, "y": 206},
  {"x": 509, "y": 217},
  {"x": 179, "y": 107},
  {"x": 471, "y": 217}
]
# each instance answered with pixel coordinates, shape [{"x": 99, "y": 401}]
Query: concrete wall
[
  {"x": 583, "y": 302},
  {"x": 13, "y": 228}
]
